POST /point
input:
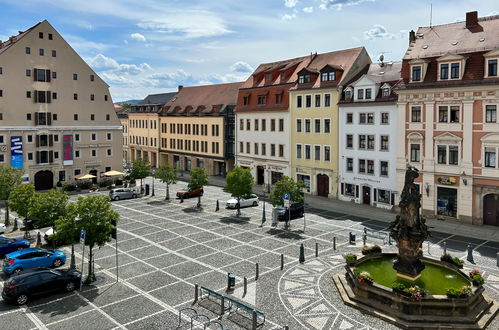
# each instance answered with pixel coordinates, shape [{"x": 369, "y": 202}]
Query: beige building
[
  {"x": 122, "y": 114},
  {"x": 197, "y": 128},
  {"x": 57, "y": 118},
  {"x": 143, "y": 125}
]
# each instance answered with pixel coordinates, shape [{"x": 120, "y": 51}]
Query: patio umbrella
[
  {"x": 113, "y": 173},
  {"x": 85, "y": 177}
]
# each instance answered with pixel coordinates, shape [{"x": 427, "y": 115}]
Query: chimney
[
  {"x": 180, "y": 88},
  {"x": 471, "y": 19},
  {"x": 412, "y": 36}
]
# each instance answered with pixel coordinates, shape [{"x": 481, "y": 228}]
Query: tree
[
  {"x": 239, "y": 184},
  {"x": 48, "y": 207},
  {"x": 199, "y": 178},
  {"x": 167, "y": 174},
  {"x": 67, "y": 229},
  {"x": 97, "y": 218},
  {"x": 9, "y": 179},
  {"x": 286, "y": 185},
  {"x": 20, "y": 199},
  {"x": 140, "y": 169}
]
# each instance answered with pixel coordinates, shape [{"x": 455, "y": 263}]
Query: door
[
  {"x": 36, "y": 259},
  {"x": 44, "y": 180},
  {"x": 491, "y": 210},
  {"x": 47, "y": 282},
  {"x": 322, "y": 185},
  {"x": 94, "y": 172},
  {"x": 366, "y": 195},
  {"x": 260, "y": 174}
]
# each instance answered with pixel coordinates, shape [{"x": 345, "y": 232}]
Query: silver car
[{"x": 122, "y": 193}]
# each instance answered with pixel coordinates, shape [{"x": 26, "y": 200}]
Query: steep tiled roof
[
  {"x": 209, "y": 99},
  {"x": 5, "y": 44},
  {"x": 455, "y": 38},
  {"x": 157, "y": 98}
]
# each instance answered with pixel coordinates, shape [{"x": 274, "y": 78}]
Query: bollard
[
  {"x": 282, "y": 260},
  {"x": 429, "y": 247},
  {"x": 257, "y": 271},
  {"x": 470, "y": 253},
  {"x": 497, "y": 258},
  {"x": 245, "y": 289},
  {"x": 334, "y": 243},
  {"x": 218, "y": 207},
  {"x": 263, "y": 215},
  {"x": 316, "y": 249},
  {"x": 445, "y": 247},
  {"x": 302, "y": 254},
  {"x": 222, "y": 302},
  {"x": 364, "y": 239},
  {"x": 15, "y": 225},
  {"x": 38, "y": 239},
  {"x": 254, "y": 319},
  {"x": 196, "y": 293},
  {"x": 181, "y": 198},
  {"x": 389, "y": 239}
]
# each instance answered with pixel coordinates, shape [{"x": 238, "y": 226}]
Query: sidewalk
[{"x": 367, "y": 212}]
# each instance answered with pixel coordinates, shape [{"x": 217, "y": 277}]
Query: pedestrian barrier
[
  {"x": 379, "y": 234},
  {"x": 257, "y": 317},
  {"x": 207, "y": 293}
]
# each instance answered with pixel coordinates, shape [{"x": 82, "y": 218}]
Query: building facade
[
  {"x": 314, "y": 116},
  {"x": 143, "y": 128},
  {"x": 448, "y": 115},
  {"x": 57, "y": 119},
  {"x": 196, "y": 128},
  {"x": 368, "y": 137}
]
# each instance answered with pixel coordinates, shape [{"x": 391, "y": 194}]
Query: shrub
[
  {"x": 463, "y": 292},
  {"x": 85, "y": 185},
  {"x": 350, "y": 258},
  {"x": 475, "y": 272},
  {"x": 119, "y": 182},
  {"x": 103, "y": 184},
  {"x": 58, "y": 184},
  {"x": 452, "y": 260},
  {"x": 457, "y": 261},
  {"x": 371, "y": 249},
  {"x": 478, "y": 280},
  {"x": 68, "y": 187},
  {"x": 365, "y": 278},
  {"x": 399, "y": 287}
]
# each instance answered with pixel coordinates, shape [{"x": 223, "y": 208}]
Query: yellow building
[
  {"x": 197, "y": 128},
  {"x": 314, "y": 118}
]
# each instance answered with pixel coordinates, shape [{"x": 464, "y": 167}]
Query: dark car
[
  {"x": 8, "y": 245},
  {"x": 19, "y": 289},
  {"x": 297, "y": 211},
  {"x": 188, "y": 192},
  {"x": 30, "y": 223}
]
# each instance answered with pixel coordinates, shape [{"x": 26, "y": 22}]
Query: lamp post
[
  {"x": 153, "y": 170},
  {"x": 268, "y": 180}
]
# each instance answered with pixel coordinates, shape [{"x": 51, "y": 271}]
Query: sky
[{"x": 152, "y": 46}]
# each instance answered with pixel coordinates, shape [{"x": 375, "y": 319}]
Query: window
[
  {"x": 77, "y": 137},
  {"x": 54, "y": 53},
  {"x": 317, "y": 125},
  {"x": 54, "y": 117},
  {"x": 307, "y": 151},
  {"x": 362, "y": 141},
  {"x": 77, "y": 172},
  {"x": 41, "y": 52},
  {"x": 54, "y": 75},
  {"x": 453, "y": 155},
  {"x": 298, "y": 125},
  {"x": 92, "y": 117},
  {"x": 384, "y": 143},
  {"x": 327, "y": 100},
  {"x": 248, "y": 146},
  {"x": 298, "y": 101},
  {"x": 317, "y": 152},
  {"x": 272, "y": 125},
  {"x": 109, "y": 136},
  {"x": 264, "y": 149},
  {"x": 327, "y": 153},
  {"x": 362, "y": 118},
  {"x": 416, "y": 73},
  {"x": 348, "y": 94},
  {"x": 383, "y": 168},
  {"x": 490, "y": 157},
  {"x": 317, "y": 100},
  {"x": 94, "y": 136},
  {"x": 30, "y": 156},
  {"x": 105, "y": 97},
  {"x": 264, "y": 125},
  {"x": 92, "y": 78},
  {"x": 442, "y": 154},
  {"x": 448, "y": 114},
  {"x": 278, "y": 98},
  {"x": 350, "y": 190},
  {"x": 75, "y": 76},
  {"x": 40, "y": 35},
  {"x": 308, "y": 101},
  {"x": 41, "y": 96},
  {"x": 241, "y": 125},
  {"x": 303, "y": 79},
  {"x": 415, "y": 153},
  {"x": 245, "y": 100},
  {"x": 54, "y": 96},
  {"x": 368, "y": 93},
  {"x": 492, "y": 68},
  {"x": 370, "y": 118},
  {"x": 261, "y": 99},
  {"x": 75, "y": 116},
  {"x": 490, "y": 113},
  {"x": 328, "y": 76},
  {"x": 360, "y": 94},
  {"x": 272, "y": 150},
  {"x": 28, "y": 116},
  {"x": 454, "y": 71},
  {"x": 248, "y": 125},
  {"x": 94, "y": 153},
  {"x": 92, "y": 97},
  {"x": 370, "y": 142},
  {"x": 350, "y": 118},
  {"x": 281, "y": 125},
  {"x": 385, "y": 91},
  {"x": 370, "y": 167},
  {"x": 75, "y": 96},
  {"x": 108, "y": 117},
  {"x": 56, "y": 154},
  {"x": 327, "y": 125},
  {"x": 50, "y": 38},
  {"x": 28, "y": 50},
  {"x": 362, "y": 166},
  {"x": 332, "y": 76},
  {"x": 281, "y": 150},
  {"x": 307, "y": 125},
  {"x": 40, "y": 75},
  {"x": 444, "y": 71},
  {"x": 28, "y": 73},
  {"x": 28, "y": 94},
  {"x": 416, "y": 114},
  {"x": 30, "y": 138},
  {"x": 255, "y": 148},
  {"x": 385, "y": 118},
  {"x": 349, "y": 141},
  {"x": 241, "y": 147},
  {"x": 383, "y": 196}
]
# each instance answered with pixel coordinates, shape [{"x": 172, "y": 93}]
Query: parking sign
[
  {"x": 287, "y": 196},
  {"x": 82, "y": 235}
]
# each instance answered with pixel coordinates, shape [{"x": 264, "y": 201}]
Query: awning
[
  {"x": 113, "y": 173},
  {"x": 85, "y": 177}
]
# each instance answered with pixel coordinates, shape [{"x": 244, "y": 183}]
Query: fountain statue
[{"x": 409, "y": 229}]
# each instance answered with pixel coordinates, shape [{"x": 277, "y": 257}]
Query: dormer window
[
  {"x": 328, "y": 76},
  {"x": 455, "y": 72},
  {"x": 268, "y": 76},
  {"x": 360, "y": 94},
  {"x": 303, "y": 79},
  {"x": 492, "y": 67},
  {"x": 348, "y": 93},
  {"x": 246, "y": 100},
  {"x": 261, "y": 99},
  {"x": 416, "y": 73},
  {"x": 386, "y": 91},
  {"x": 368, "y": 93}
]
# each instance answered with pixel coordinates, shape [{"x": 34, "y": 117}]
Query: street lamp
[
  {"x": 153, "y": 170},
  {"x": 268, "y": 180}
]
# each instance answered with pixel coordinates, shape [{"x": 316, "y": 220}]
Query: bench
[
  {"x": 383, "y": 235},
  {"x": 207, "y": 293},
  {"x": 237, "y": 305}
]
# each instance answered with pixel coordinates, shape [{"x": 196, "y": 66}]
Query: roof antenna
[{"x": 431, "y": 13}]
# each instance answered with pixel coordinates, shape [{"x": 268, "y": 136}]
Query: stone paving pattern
[{"x": 167, "y": 247}]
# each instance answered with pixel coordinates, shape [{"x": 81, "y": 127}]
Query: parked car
[
  {"x": 8, "y": 245},
  {"x": 251, "y": 200},
  {"x": 20, "y": 288},
  {"x": 188, "y": 192},
  {"x": 16, "y": 262},
  {"x": 2, "y": 228},
  {"x": 297, "y": 211},
  {"x": 30, "y": 223},
  {"x": 122, "y": 193}
]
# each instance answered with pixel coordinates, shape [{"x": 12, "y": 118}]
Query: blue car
[
  {"x": 18, "y": 261},
  {"x": 8, "y": 245}
]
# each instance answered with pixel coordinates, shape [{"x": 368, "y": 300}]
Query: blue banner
[{"x": 16, "y": 152}]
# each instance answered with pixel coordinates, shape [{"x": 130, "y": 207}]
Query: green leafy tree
[
  {"x": 97, "y": 218},
  {"x": 199, "y": 178},
  {"x": 67, "y": 229},
  {"x": 9, "y": 179},
  {"x": 140, "y": 169},
  {"x": 48, "y": 207},
  {"x": 286, "y": 185},
  {"x": 239, "y": 184},
  {"x": 20, "y": 199},
  {"x": 167, "y": 174}
]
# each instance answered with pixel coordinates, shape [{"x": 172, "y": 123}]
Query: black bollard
[
  {"x": 196, "y": 293},
  {"x": 38, "y": 240},
  {"x": 316, "y": 250},
  {"x": 282, "y": 261},
  {"x": 15, "y": 225},
  {"x": 245, "y": 288},
  {"x": 302, "y": 254},
  {"x": 181, "y": 198},
  {"x": 257, "y": 271},
  {"x": 263, "y": 214},
  {"x": 445, "y": 247},
  {"x": 470, "y": 253},
  {"x": 334, "y": 243},
  {"x": 218, "y": 207}
]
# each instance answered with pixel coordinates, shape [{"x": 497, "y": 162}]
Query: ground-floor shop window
[
  {"x": 305, "y": 179},
  {"x": 383, "y": 196},
  {"x": 349, "y": 189},
  {"x": 447, "y": 201},
  {"x": 276, "y": 176}
]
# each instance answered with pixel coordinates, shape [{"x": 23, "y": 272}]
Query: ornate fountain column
[{"x": 409, "y": 229}]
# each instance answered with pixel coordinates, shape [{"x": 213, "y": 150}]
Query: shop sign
[{"x": 447, "y": 180}]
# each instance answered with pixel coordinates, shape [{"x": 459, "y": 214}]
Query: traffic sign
[
  {"x": 82, "y": 235},
  {"x": 287, "y": 196}
]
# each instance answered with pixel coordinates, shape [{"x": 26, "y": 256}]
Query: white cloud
[
  {"x": 339, "y": 4},
  {"x": 308, "y": 9},
  {"x": 103, "y": 63},
  {"x": 241, "y": 66},
  {"x": 169, "y": 79},
  {"x": 138, "y": 36},
  {"x": 290, "y": 3},
  {"x": 378, "y": 32},
  {"x": 288, "y": 17}
]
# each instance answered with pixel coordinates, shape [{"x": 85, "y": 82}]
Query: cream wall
[{"x": 146, "y": 149}]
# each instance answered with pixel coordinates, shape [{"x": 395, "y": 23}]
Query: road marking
[{"x": 38, "y": 323}]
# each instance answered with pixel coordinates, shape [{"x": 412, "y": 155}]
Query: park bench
[
  {"x": 383, "y": 235},
  {"x": 208, "y": 293},
  {"x": 236, "y": 306}
]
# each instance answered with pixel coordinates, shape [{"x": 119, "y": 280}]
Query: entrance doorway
[
  {"x": 447, "y": 201},
  {"x": 491, "y": 210},
  {"x": 322, "y": 185},
  {"x": 366, "y": 195},
  {"x": 44, "y": 180},
  {"x": 260, "y": 174},
  {"x": 94, "y": 172}
]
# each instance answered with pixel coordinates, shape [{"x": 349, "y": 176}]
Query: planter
[{"x": 450, "y": 262}]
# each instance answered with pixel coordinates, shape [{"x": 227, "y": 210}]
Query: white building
[{"x": 368, "y": 137}]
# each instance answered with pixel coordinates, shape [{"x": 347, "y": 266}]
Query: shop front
[{"x": 447, "y": 201}]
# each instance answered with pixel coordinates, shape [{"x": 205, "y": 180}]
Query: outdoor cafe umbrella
[
  {"x": 113, "y": 173},
  {"x": 85, "y": 177}
]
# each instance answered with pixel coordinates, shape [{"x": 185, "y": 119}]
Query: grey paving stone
[
  {"x": 213, "y": 280},
  {"x": 246, "y": 251},
  {"x": 175, "y": 294},
  {"x": 183, "y": 230},
  {"x": 131, "y": 270},
  {"x": 110, "y": 262},
  {"x": 186, "y": 269},
  {"x": 270, "y": 244},
  {"x": 61, "y": 309},
  {"x": 90, "y": 320},
  {"x": 152, "y": 280},
  {"x": 160, "y": 236},
  {"x": 269, "y": 260},
  {"x": 201, "y": 237},
  {"x": 178, "y": 243},
  {"x": 131, "y": 244},
  {"x": 132, "y": 309},
  {"x": 165, "y": 260},
  {"x": 223, "y": 244},
  {"x": 247, "y": 237},
  {"x": 163, "y": 320},
  {"x": 227, "y": 230},
  {"x": 147, "y": 252},
  {"x": 196, "y": 251},
  {"x": 210, "y": 225},
  {"x": 243, "y": 269},
  {"x": 145, "y": 230},
  {"x": 108, "y": 294},
  {"x": 219, "y": 259},
  {"x": 17, "y": 320}
]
